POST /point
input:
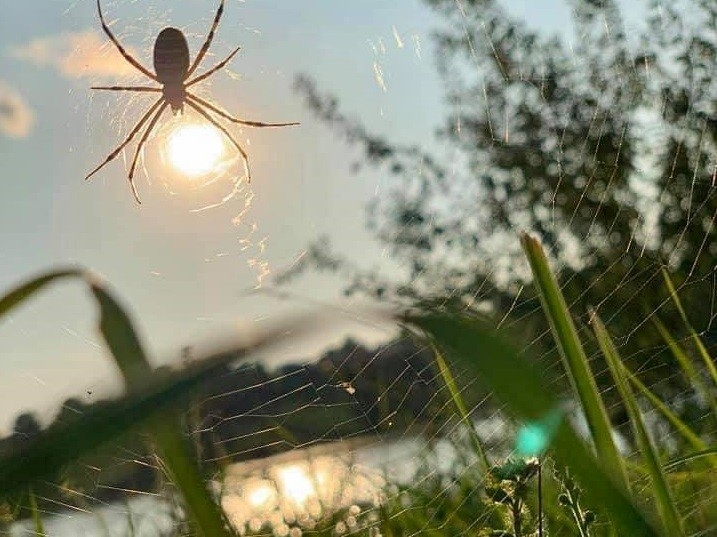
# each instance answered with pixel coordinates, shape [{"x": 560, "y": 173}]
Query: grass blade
[
  {"x": 460, "y": 406},
  {"x": 706, "y": 358},
  {"x": 691, "y": 373},
  {"x": 663, "y": 497},
  {"x": 149, "y": 401},
  {"x": 519, "y": 384},
  {"x": 709, "y": 453},
  {"x": 680, "y": 426},
  {"x": 36, "y": 517},
  {"x": 53, "y": 448},
  {"x": 121, "y": 338},
  {"x": 575, "y": 361},
  {"x": 24, "y": 291}
]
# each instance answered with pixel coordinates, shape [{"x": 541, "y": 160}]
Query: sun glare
[
  {"x": 296, "y": 483},
  {"x": 195, "y": 149}
]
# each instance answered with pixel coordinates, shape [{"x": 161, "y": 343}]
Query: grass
[{"x": 592, "y": 489}]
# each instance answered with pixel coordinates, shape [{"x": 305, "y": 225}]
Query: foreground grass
[{"x": 559, "y": 484}]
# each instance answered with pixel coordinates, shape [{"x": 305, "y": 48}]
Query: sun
[{"x": 195, "y": 149}]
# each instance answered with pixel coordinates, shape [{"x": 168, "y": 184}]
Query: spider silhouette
[{"x": 174, "y": 73}]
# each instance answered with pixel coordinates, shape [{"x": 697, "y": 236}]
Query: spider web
[
  {"x": 224, "y": 187},
  {"x": 359, "y": 433}
]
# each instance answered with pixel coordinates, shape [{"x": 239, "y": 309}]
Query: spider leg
[
  {"x": 233, "y": 119},
  {"x": 226, "y": 133},
  {"x": 208, "y": 41},
  {"x": 141, "y": 143},
  {"x": 127, "y": 140},
  {"x": 214, "y": 69},
  {"x": 127, "y": 56},
  {"x": 127, "y": 88}
]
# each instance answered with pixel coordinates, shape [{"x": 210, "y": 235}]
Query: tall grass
[{"x": 592, "y": 467}]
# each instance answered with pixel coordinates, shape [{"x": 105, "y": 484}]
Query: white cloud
[
  {"x": 16, "y": 117},
  {"x": 76, "y": 55}
]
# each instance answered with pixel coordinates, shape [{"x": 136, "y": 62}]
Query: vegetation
[
  {"x": 599, "y": 488},
  {"x": 602, "y": 144}
]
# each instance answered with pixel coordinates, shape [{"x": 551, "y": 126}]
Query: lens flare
[
  {"x": 533, "y": 438},
  {"x": 195, "y": 150}
]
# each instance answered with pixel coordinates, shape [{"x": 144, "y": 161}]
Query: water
[
  {"x": 296, "y": 488},
  {"x": 273, "y": 493}
]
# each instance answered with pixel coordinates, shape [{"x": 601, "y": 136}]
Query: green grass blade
[
  {"x": 709, "y": 453},
  {"x": 663, "y": 497},
  {"x": 460, "y": 405},
  {"x": 121, "y": 338},
  {"x": 36, "y": 516},
  {"x": 706, "y": 358},
  {"x": 184, "y": 470},
  {"x": 575, "y": 361},
  {"x": 517, "y": 382},
  {"x": 48, "y": 452},
  {"x": 176, "y": 451},
  {"x": 24, "y": 291},
  {"x": 685, "y": 363},
  {"x": 680, "y": 426}
]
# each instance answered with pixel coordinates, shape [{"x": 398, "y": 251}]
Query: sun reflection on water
[
  {"x": 292, "y": 496},
  {"x": 295, "y": 484}
]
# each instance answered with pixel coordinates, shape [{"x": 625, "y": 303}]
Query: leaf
[
  {"x": 690, "y": 372},
  {"x": 49, "y": 451},
  {"x": 36, "y": 516},
  {"x": 663, "y": 497},
  {"x": 460, "y": 405},
  {"x": 682, "y": 428},
  {"x": 575, "y": 361},
  {"x": 520, "y": 385},
  {"x": 24, "y": 291},
  {"x": 706, "y": 358},
  {"x": 120, "y": 336}
]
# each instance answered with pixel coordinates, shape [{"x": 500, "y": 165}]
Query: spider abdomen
[{"x": 171, "y": 56}]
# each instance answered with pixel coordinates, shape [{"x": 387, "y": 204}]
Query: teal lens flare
[{"x": 534, "y": 437}]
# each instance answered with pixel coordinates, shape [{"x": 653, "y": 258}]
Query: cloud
[
  {"x": 76, "y": 55},
  {"x": 16, "y": 117}
]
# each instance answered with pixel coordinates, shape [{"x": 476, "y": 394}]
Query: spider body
[
  {"x": 171, "y": 64},
  {"x": 174, "y": 71}
]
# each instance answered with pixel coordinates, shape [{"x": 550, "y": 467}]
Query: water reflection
[
  {"x": 283, "y": 495},
  {"x": 287, "y": 494},
  {"x": 140, "y": 516}
]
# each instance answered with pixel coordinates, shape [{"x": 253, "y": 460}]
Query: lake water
[
  {"x": 279, "y": 493},
  {"x": 298, "y": 487}
]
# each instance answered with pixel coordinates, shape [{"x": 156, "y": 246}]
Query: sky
[{"x": 182, "y": 273}]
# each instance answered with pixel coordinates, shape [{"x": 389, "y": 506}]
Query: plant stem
[{"x": 540, "y": 498}]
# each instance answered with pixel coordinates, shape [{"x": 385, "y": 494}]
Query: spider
[{"x": 174, "y": 73}]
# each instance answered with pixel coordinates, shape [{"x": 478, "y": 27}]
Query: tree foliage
[{"x": 604, "y": 148}]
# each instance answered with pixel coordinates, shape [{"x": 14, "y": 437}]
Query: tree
[
  {"x": 26, "y": 426},
  {"x": 607, "y": 151}
]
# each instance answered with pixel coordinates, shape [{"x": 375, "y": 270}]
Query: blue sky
[{"x": 183, "y": 274}]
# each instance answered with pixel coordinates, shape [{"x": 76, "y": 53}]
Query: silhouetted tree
[
  {"x": 606, "y": 149},
  {"x": 26, "y": 426}
]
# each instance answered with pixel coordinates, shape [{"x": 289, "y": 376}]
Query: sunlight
[
  {"x": 194, "y": 149},
  {"x": 260, "y": 494},
  {"x": 296, "y": 483}
]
